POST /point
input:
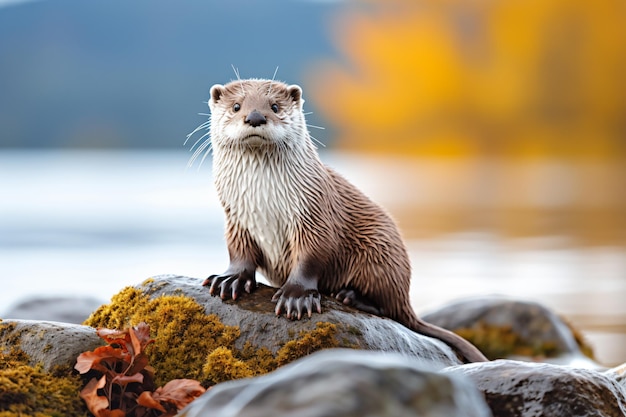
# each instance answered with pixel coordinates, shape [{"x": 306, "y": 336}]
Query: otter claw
[
  {"x": 230, "y": 284},
  {"x": 295, "y": 306}
]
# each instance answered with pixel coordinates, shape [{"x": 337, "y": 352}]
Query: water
[{"x": 90, "y": 223}]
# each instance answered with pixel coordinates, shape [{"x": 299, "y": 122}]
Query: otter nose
[{"x": 255, "y": 119}]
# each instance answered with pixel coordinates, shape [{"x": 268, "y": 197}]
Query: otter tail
[{"x": 464, "y": 348}]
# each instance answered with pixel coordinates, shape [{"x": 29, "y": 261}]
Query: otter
[{"x": 304, "y": 226}]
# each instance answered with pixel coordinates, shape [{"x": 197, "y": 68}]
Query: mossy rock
[
  {"x": 201, "y": 337},
  {"x": 27, "y": 386},
  {"x": 507, "y": 328},
  {"x": 50, "y": 345}
]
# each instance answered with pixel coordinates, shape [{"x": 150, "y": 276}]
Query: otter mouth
[{"x": 254, "y": 139}]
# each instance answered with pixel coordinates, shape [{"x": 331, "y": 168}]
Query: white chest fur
[{"x": 261, "y": 196}]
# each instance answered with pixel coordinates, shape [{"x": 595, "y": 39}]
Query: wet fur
[{"x": 294, "y": 218}]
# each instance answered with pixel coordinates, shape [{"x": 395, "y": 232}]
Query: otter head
[{"x": 257, "y": 113}]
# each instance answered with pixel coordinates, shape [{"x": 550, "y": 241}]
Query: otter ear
[
  {"x": 216, "y": 93},
  {"x": 295, "y": 92}
]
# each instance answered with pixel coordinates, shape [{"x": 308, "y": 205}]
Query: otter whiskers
[{"x": 204, "y": 146}]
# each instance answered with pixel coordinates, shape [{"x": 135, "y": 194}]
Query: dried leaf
[
  {"x": 124, "y": 362},
  {"x": 140, "y": 362},
  {"x": 91, "y": 360},
  {"x": 112, "y": 335},
  {"x": 95, "y": 403},
  {"x": 140, "y": 337},
  {"x": 147, "y": 400},
  {"x": 179, "y": 392},
  {"x": 125, "y": 379}
]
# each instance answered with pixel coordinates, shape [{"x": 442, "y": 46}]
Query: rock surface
[
  {"x": 51, "y": 344},
  {"x": 619, "y": 373},
  {"x": 254, "y": 314},
  {"x": 427, "y": 379},
  {"x": 522, "y": 389},
  {"x": 62, "y": 309},
  {"x": 502, "y": 327},
  {"x": 344, "y": 383}
]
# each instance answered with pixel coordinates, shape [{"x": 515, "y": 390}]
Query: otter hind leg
[
  {"x": 351, "y": 297},
  {"x": 239, "y": 277}
]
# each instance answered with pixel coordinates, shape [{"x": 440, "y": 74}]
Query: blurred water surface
[{"x": 92, "y": 222}]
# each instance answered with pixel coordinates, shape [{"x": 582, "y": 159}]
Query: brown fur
[{"x": 335, "y": 240}]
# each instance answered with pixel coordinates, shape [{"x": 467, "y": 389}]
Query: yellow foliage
[{"x": 457, "y": 77}]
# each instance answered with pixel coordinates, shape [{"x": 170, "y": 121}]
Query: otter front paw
[
  {"x": 231, "y": 284},
  {"x": 295, "y": 299}
]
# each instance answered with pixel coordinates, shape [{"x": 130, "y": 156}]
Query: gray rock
[
  {"x": 254, "y": 314},
  {"x": 63, "y": 309},
  {"x": 537, "y": 332},
  {"x": 344, "y": 383},
  {"x": 523, "y": 389},
  {"x": 51, "y": 344},
  {"x": 619, "y": 373}
]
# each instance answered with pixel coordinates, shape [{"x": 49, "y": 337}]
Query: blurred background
[{"x": 493, "y": 130}]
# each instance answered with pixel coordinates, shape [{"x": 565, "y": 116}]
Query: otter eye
[
  {"x": 236, "y": 107},
  {"x": 275, "y": 108}
]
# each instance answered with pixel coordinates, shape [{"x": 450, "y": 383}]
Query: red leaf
[
  {"x": 146, "y": 400},
  {"x": 91, "y": 360},
  {"x": 140, "y": 337},
  {"x": 95, "y": 403},
  {"x": 125, "y": 380},
  {"x": 140, "y": 362},
  {"x": 179, "y": 392},
  {"x": 112, "y": 335}
]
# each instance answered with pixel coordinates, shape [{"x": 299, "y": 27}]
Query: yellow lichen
[
  {"x": 259, "y": 360},
  {"x": 191, "y": 344},
  {"x": 225, "y": 364},
  {"x": 322, "y": 337},
  {"x": 497, "y": 342},
  {"x": 8, "y": 335},
  {"x": 117, "y": 314},
  {"x": 29, "y": 391},
  {"x": 221, "y": 365}
]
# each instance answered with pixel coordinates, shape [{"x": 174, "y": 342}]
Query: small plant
[{"x": 124, "y": 382}]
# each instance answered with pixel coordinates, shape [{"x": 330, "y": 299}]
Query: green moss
[
  {"x": 259, "y": 360},
  {"x": 192, "y": 344},
  {"x": 29, "y": 391},
  {"x": 497, "y": 342},
  {"x": 221, "y": 365},
  {"x": 118, "y": 313},
  {"x": 322, "y": 337},
  {"x": 355, "y": 331},
  {"x": 8, "y": 335}
]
